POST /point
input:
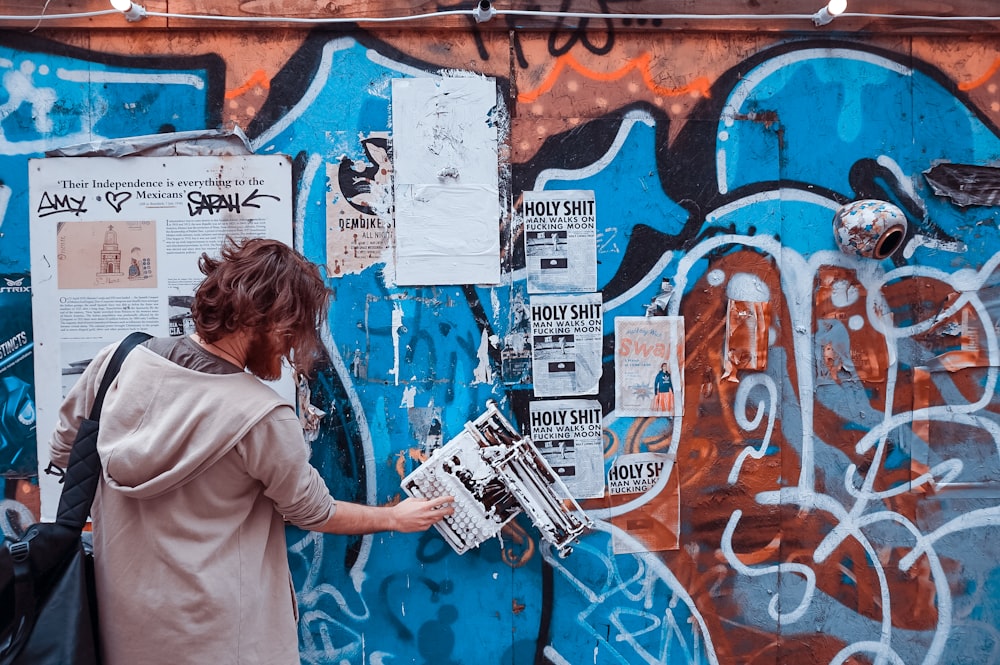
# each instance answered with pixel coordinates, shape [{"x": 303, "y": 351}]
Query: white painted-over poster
[{"x": 447, "y": 185}]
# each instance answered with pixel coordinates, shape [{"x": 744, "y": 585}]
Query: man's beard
[{"x": 264, "y": 357}]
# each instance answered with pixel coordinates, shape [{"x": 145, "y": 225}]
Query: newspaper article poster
[
  {"x": 649, "y": 366},
  {"x": 647, "y": 485},
  {"x": 359, "y": 213},
  {"x": 114, "y": 248},
  {"x": 446, "y": 182},
  {"x": 560, "y": 241},
  {"x": 566, "y": 340},
  {"x": 569, "y": 434}
]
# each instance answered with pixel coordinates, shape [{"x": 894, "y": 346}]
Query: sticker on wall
[
  {"x": 649, "y": 366},
  {"x": 570, "y": 436},
  {"x": 645, "y": 485},
  {"x": 447, "y": 180},
  {"x": 567, "y": 334},
  {"x": 359, "y": 212},
  {"x": 560, "y": 241},
  {"x": 748, "y": 324}
]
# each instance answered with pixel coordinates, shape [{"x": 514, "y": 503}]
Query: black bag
[{"x": 48, "y": 610}]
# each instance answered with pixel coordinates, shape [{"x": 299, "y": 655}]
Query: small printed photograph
[
  {"x": 561, "y": 456},
  {"x": 546, "y": 242},
  {"x": 181, "y": 321},
  {"x": 549, "y": 346},
  {"x": 97, "y": 255}
]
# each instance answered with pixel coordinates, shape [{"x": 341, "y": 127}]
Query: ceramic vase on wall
[{"x": 869, "y": 228}]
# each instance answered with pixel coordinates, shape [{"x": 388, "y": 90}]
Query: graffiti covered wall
[{"x": 832, "y": 462}]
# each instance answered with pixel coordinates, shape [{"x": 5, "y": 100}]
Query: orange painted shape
[
  {"x": 259, "y": 77},
  {"x": 700, "y": 84},
  {"x": 982, "y": 79}
]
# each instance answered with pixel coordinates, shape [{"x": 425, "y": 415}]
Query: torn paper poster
[
  {"x": 359, "y": 209},
  {"x": 748, "y": 325},
  {"x": 648, "y": 483}
]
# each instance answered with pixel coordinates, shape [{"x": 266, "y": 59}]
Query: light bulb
[
  {"x": 131, "y": 10},
  {"x": 832, "y": 10}
]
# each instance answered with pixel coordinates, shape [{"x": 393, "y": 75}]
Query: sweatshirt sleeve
[
  {"x": 76, "y": 406},
  {"x": 276, "y": 454}
]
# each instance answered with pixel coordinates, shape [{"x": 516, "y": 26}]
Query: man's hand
[{"x": 419, "y": 514}]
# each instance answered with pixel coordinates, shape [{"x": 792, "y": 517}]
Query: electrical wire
[{"x": 499, "y": 12}]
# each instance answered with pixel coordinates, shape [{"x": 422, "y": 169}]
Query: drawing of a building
[{"x": 111, "y": 254}]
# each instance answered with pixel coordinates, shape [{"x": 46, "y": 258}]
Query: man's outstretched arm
[{"x": 409, "y": 515}]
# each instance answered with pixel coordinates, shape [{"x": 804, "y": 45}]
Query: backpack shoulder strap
[
  {"x": 84, "y": 469},
  {"x": 124, "y": 347}
]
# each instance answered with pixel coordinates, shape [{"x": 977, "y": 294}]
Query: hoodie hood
[{"x": 162, "y": 424}]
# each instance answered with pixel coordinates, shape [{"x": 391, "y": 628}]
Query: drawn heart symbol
[{"x": 116, "y": 199}]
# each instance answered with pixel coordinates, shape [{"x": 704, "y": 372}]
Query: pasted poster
[
  {"x": 359, "y": 212},
  {"x": 115, "y": 244},
  {"x": 569, "y": 434},
  {"x": 515, "y": 347},
  {"x": 447, "y": 180},
  {"x": 560, "y": 241},
  {"x": 644, "y": 499},
  {"x": 18, "y": 418},
  {"x": 649, "y": 365},
  {"x": 566, "y": 340}
]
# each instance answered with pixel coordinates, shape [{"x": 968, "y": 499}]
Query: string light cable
[{"x": 482, "y": 12}]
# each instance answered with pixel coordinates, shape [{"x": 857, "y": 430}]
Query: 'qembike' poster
[
  {"x": 567, "y": 333},
  {"x": 359, "y": 211},
  {"x": 649, "y": 366}
]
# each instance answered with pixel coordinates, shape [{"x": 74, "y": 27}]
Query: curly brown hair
[{"x": 266, "y": 287}]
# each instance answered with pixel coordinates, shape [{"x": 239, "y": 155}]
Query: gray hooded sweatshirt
[{"x": 201, "y": 472}]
